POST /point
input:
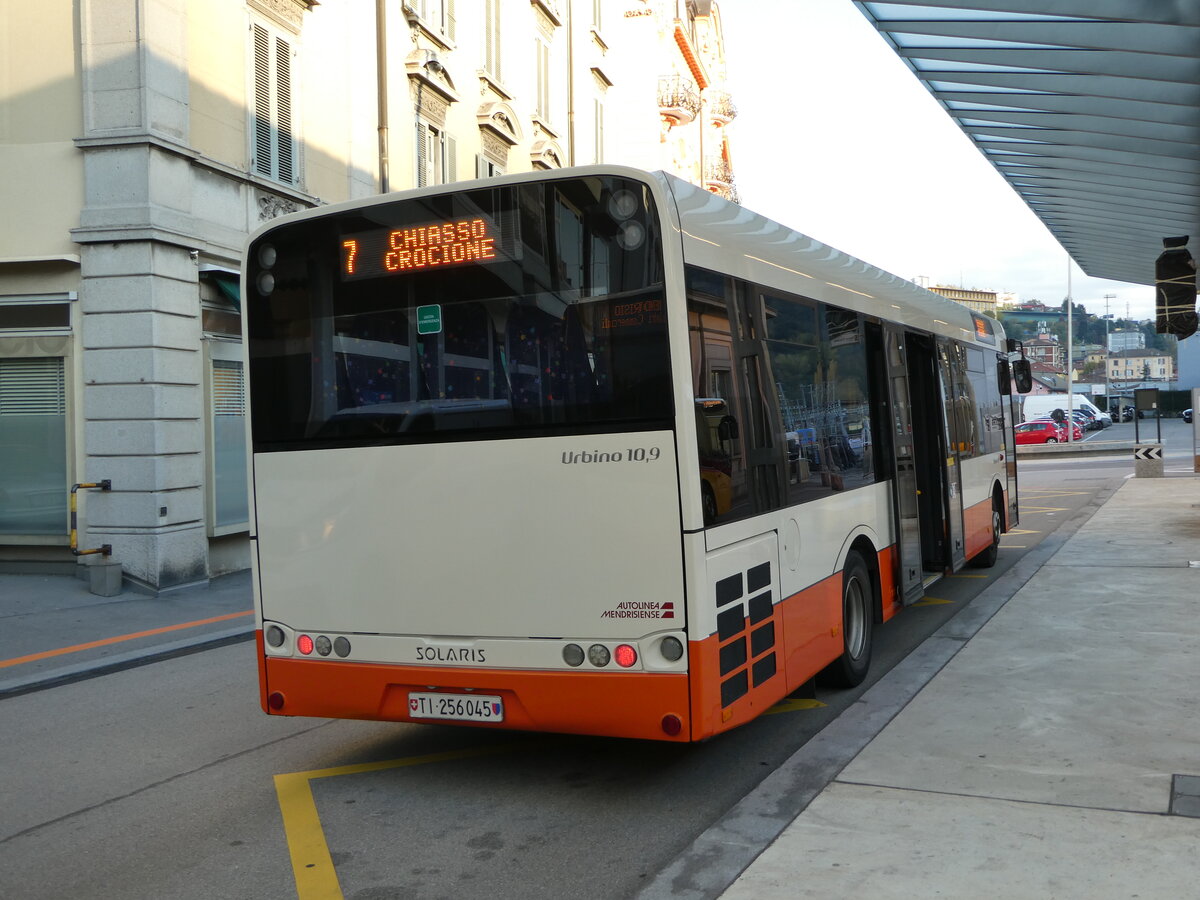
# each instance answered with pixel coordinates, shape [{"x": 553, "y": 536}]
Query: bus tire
[
  {"x": 986, "y": 558},
  {"x": 858, "y": 619}
]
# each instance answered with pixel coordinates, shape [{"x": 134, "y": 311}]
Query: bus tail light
[
  {"x": 573, "y": 655},
  {"x": 671, "y": 725},
  {"x": 625, "y": 656},
  {"x": 671, "y": 648},
  {"x": 304, "y": 644},
  {"x": 275, "y": 636},
  {"x": 275, "y": 700}
]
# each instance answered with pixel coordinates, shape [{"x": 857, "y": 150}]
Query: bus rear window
[{"x": 528, "y": 309}]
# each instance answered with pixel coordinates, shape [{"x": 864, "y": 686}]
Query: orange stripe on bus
[
  {"x": 91, "y": 645},
  {"x": 620, "y": 704},
  {"x": 977, "y": 527}
]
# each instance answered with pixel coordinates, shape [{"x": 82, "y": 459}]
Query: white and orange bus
[{"x": 596, "y": 451}]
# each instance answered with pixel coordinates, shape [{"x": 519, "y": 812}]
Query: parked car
[
  {"x": 1076, "y": 429},
  {"x": 1186, "y": 415},
  {"x": 1086, "y": 420},
  {"x": 1039, "y": 432}
]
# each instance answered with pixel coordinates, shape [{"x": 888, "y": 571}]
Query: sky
[{"x": 836, "y": 138}]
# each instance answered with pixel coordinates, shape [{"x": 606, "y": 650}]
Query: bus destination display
[{"x": 399, "y": 251}]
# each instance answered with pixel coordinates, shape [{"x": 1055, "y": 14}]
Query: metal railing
[{"x": 105, "y": 549}]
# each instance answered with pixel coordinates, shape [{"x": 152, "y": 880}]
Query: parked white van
[{"x": 1038, "y": 405}]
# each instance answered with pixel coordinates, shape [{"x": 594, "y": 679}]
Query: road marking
[
  {"x": 1013, "y": 547},
  {"x": 791, "y": 705},
  {"x": 91, "y": 645},
  {"x": 1060, "y": 493},
  {"x": 1043, "y": 509},
  {"x": 960, "y": 575},
  {"x": 312, "y": 865},
  {"x": 933, "y": 601},
  {"x": 1013, "y": 531}
]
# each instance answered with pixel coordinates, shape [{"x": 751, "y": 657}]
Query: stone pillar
[{"x": 142, "y": 401}]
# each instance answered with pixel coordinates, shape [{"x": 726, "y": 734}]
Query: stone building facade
[{"x": 142, "y": 141}]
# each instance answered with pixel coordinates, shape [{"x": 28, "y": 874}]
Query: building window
[
  {"x": 486, "y": 168},
  {"x": 275, "y": 152},
  {"x": 437, "y": 14},
  {"x": 33, "y": 446},
  {"x": 228, "y": 507},
  {"x": 491, "y": 47},
  {"x": 435, "y": 155},
  {"x": 599, "y": 148}
]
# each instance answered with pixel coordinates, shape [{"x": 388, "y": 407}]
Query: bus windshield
[{"x": 496, "y": 312}]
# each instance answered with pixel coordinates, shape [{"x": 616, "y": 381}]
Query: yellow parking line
[
  {"x": 961, "y": 575},
  {"x": 312, "y": 866},
  {"x": 933, "y": 601},
  {"x": 1037, "y": 509},
  {"x": 790, "y": 705}
]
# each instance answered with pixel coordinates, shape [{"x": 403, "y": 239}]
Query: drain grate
[{"x": 1185, "y": 796}]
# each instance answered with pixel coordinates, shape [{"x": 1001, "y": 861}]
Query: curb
[{"x": 122, "y": 661}]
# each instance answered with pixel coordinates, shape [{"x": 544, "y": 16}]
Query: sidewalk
[
  {"x": 1055, "y": 755},
  {"x": 54, "y": 630}
]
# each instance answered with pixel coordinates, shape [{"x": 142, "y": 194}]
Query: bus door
[
  {"x": 1010, "y": 408},
  {"x": 952, "y": 373},
  {"x": 905, "y": 490},
  {"x": 930, "y": 450}
]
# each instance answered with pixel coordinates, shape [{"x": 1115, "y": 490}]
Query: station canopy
[{"x": 1089, "y": 108}]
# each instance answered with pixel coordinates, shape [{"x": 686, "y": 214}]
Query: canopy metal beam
[{"x": 1090, "y": 109}]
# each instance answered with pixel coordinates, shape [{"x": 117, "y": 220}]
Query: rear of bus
[{"x": 466, "y": 496}]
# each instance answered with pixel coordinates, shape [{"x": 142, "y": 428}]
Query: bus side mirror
[
  {"x": 727, "y": 430},
  {"x": 1022, "y": 374}
]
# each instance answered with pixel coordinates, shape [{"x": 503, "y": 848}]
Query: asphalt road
[{"x": 167, "y": 780}]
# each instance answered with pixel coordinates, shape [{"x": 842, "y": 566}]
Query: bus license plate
[{"x": 459, "y": 707}]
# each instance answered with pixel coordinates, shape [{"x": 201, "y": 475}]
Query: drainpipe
[
  {"x": 570, "y": 82},
  {"x": 381, "y": 75}
]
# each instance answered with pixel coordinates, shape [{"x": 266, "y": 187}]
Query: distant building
[
  {"x": 980, "y": 301},
  {"x": 1126, "y": 340},
  {"x": 1140, "y": 365},
  {"x": 1048, "y": 352}
]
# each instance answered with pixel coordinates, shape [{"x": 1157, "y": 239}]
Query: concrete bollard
[
  {"x": 105, "y": 578},
  {"x": 1148, "y": 460}
]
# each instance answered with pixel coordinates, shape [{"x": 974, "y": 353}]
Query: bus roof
[{"x": 721, "y": 235}]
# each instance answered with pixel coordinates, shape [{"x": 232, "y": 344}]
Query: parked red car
[{"x": 1044, "y": 432}]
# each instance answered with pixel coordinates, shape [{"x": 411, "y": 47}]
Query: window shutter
[
  {"x": 262, "y": 101},
  {"x": 599, "y": 132},
  {"x": 422, "y": 154},
  {"x": 543, "y": 80},
  {"x": 32, "y": 387},
  {"x": 451, "y": 160},
  {"x": 283, "y": 98},
  {"x": 451, "y": 26},
  {"x": 492, "y": 38},
  {"x": 276, "y": 150}
]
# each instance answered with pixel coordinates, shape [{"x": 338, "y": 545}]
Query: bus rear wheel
[{"x": 858, "y": 619}]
